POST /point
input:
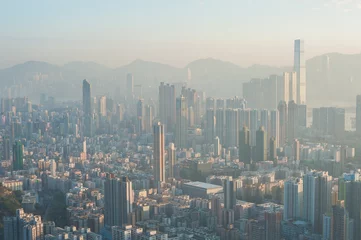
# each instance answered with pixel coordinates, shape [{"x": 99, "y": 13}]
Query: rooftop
[{"x": 202, "y": 185}]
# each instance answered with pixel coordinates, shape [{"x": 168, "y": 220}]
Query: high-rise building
[
  {"x": 283, "y": 90},
  {"x": 316, "y": 198},
  {"x": 261, "y": 145},
  {"x": 130, "y": 87},
  {"x": 274, "y": 127},
  {"x": 158, "y": 152},
  {"x": 244, "y": 146},
  {"x": 102, "y": 106},
  {"x": 273, "y": 224},
  {"x": 119, "y": 198},
  {"x": 210, "y": 126},
  {"x": 272, "y": 149},
  {"x": 358, "y": 114},
  {"x": 296, "y": 150},
  {"x": 232, "y": 123},
  {"x": 171, "y": 160},
  {"x": 300, "y": 69},
  {"x": 217, "y": 146},
  {"x": 140, "y": 115},
  {"x": 341, "y": 222},
  {"x": 220, "y": 124},
  {"x": 148, "y": 118},
  {"x": 292, "y": 121},
  {"x": 302, "y": 116},
  {"x": 353, "y": 206},
  {"x": 283, "y": 118},
  {"x": 18, "y": 163},
  {"x": 229, "y": 190},
  {"x": 181, "y": 133},
  {"x": 167, "y": 105},
  {"x": 6, "y": 148},
  {"x": 87, "y": 109},
  {"x": 293, "y": 199},
  {"x": 253, "y": 126}
]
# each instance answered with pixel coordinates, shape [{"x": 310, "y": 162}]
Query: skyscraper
[
  {"x": 353, "y": 206},
  {"x": 229, "y": 190},
  {"x": 210, "y": 125},
  {"x": 261, "y": 145},
  {"x": 316, "y": 198},
  {"x": 181, "y": 133},
  {"x": 18, "y": 163},
  {"x": 244, "y": 146},
  {"x": 300, "y": 69},
  {"x": 293, "y": 199},
  {"x": 358, "y": 114},
  {"x": 6, "y": 148},
  {"x": 140, "y": 116},
  {"x": 272, "y": 149},
  {"x": 171, "y": 159},
  {"x": 220, "y": 124},
  {"x": 87, "y": 109},
  {"x": 292, "y": 121},
  {"x": 217, "y": 146},
  {"x": 253, "y": 126},
  {"x": 119, "y": 198},
  {"x": 167, "y": 106},
  {"x": 232, "y": 124},
  {"x": 273, "y": 220},
  {"x": 102, "y": 106},
  {"x": 130, "y": 87},
  {"x": 341, "y": 222},
  {"x": 296, "y": 150},
  {"x": 158, "y": 152}
]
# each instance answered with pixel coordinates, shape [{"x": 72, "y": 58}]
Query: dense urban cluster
[{"x": 183, "y": 167}]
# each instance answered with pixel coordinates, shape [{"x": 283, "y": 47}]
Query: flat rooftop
[{"x": 203, "y": 185}]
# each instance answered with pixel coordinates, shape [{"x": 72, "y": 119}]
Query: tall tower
[
  {"x": 171, "y": 159},
  {"x": 181, "y": 133},
  {"x": 119, "y": 198},
  {"x": 254, "y": 125},
  {"x": 261, "y": 145},
  {"x": 300, "y": 69},
  {"x": 87, "y": 109},
  {"x": 140, "y": 115},
  {"x": 272, "y": 149},
  {"x": 158, "y": 152},
  {"x": 316, "y": 198},
  {"x": 292, "y": 121},
  {"x": 130, "y": 87},
  {"x": 232, "y": 124},
  {"x": 167, "y": 105},
  {"x": 6, "y": 148},
  {"x": 217, "y": 146},
  {"x": 244, "y": 146},
  {"x": 358, "y": 114},
  {"x": 18, "y": 163},
  {"x": 296, "y": 150},
  {"x": 275, "y": 126},
  {"x": 220, "y": 124},
  {"x": 229, "y": 190},
  {"x": 102, "y": 106},
  {"x": 210, "y": 126},
  {"x": 293, "y": 199}
]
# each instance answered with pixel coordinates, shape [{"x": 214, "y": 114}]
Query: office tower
[
  {"x": 140, "y": 116},
  {"x": 87, "y": 109},
  {"x": 272, "y": 149},
  {"x": 232, "y": 124},
  {"x": 353, "y": 206},
  {"x": 358, "y": 114},
  {"x": 274, "y": 126},
  {"x": 130, "y": 87},
  {"x": 316, "y": 198},
  {"x": 148, "y": 118},
  {"x": 300, "y": 69},
  {"x": 217, "y": 146},
  {"x": 181, "y": 133},
  {"x": 292, "y": 121},
  {"x": 273, "y": 220},
  {"x": 167, "y": 106},
  {"x": 229, "y": 190},
  {"x": 220, "y": 124},
  {"x": 210, "y": 103},
  {"x": 316, "y": 119},
  {"x": 102, "y": 106},
  {"x": 296, "y": 150},
  {"x": 293, "y": 199},
  {"x": 244, "y": 146},
  {"x": 171, "y": 159},
  {"x": 158, "y": 152},
  {"x": 244, "y": 117},
  {"x": 283, "y": 90},
  {"x": 18, "y": 156},
  {"x": 210, "y": 125},
  {"x": 261, "y": 145},
  {"x": 118, "y": 201},
  {"x": 265, "y": 121},
  {"x": 6, "y": 148},
  {"x": 341, "y": 222},
  {"x": 302, "y": 116},
  {"x": 253, "y": 126}
]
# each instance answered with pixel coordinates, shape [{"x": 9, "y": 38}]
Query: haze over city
[{"x": 180, "y": 120}]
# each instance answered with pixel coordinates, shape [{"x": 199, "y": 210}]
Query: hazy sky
[{"x": 176, "y": 32}]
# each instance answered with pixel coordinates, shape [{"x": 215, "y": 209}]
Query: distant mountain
[{"x": 339, "y": 80}]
